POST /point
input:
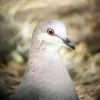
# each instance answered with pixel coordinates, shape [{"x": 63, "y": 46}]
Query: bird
[{"x": 46, "y": 77}]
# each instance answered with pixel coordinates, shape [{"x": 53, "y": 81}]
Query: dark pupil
[{"x": 50, "y": 32}]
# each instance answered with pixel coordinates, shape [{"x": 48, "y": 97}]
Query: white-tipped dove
[{"x": 46, "y": 77}]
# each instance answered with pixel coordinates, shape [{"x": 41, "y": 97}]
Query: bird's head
[{"x": 53, "y": 32}]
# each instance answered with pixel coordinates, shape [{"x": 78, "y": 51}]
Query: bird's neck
[{"x": 42, "y": 57}]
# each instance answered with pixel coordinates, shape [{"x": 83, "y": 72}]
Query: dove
[{"x": 46, "y": 77}]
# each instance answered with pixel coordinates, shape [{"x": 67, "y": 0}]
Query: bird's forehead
[{"x": 57, "y": 26}]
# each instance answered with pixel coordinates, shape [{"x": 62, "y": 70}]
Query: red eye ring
[{"x": 50, "y": 31}]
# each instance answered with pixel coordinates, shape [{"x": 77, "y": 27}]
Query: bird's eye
[{"x": 50, "y": 31}]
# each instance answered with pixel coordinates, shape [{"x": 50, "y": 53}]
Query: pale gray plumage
[{"x": 46, "y": 77}]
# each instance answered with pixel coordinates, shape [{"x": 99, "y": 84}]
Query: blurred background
[{"x": 82, "y": 19}]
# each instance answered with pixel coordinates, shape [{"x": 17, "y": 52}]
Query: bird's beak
[
  {"x": 69, "y": 43},
  {"x": 66, "y": 41}
]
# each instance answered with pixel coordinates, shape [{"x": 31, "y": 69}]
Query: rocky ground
[{"x": 81, "y": 17}]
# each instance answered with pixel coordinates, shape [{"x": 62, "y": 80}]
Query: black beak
[{"x": 67, "y": 42}]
